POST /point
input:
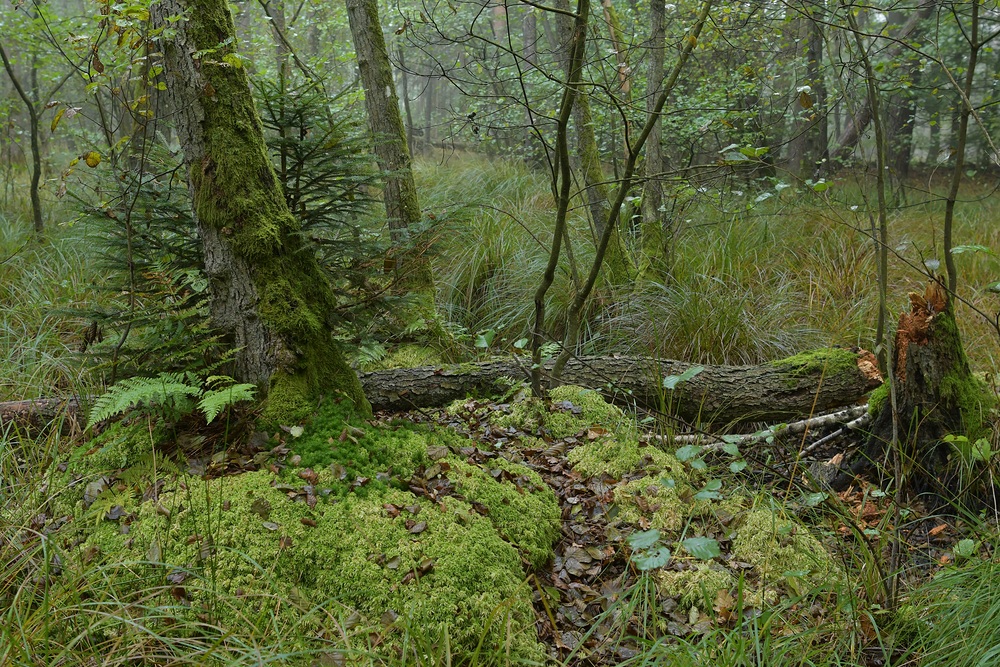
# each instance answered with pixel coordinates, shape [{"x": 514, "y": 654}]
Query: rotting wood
[
  {"x": 36, "y": 415},
  {"x": 781, "y": 390},
  {"x": 776, "y": 391}
]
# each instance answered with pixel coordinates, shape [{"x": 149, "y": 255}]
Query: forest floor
[{"x": 581, "y": 597}]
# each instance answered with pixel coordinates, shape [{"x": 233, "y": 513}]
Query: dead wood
[
  {"x": 786, "y": 389},
  {"x": 789, "y": 388}
]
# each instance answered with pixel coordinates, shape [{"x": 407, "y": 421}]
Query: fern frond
[
  {"x": 215, "y": 401},
  {"x": 140, "y": 391}
]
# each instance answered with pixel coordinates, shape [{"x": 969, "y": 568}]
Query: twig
[{"x": 854, "y": 416}]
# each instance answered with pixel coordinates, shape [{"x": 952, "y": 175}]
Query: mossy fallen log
[{"x": 797, "y": 386}]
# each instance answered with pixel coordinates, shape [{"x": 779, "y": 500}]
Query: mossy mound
[
  {"x": 617, "y": 455},
  {"x": 272, "y": 559},
  {"x": 667, "y": 503},
  {"x": 785, "y": 555},
  {"x": 278, "y": 547},
  {"x": 696, "y": 586},
  {"x": 785, "y": 559},
  {"x": 572, "y": 410},
  {"x": 523, "y": 510}
]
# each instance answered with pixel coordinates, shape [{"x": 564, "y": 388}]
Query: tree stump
[{"x": 936, "y": 393}]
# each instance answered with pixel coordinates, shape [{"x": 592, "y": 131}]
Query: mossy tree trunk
[
  {"x": 269, "y": 294},
  {"x": 936, "y": 393},
  {"x": 402, "y": 207}
]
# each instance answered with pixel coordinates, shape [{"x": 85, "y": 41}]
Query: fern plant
[{"x": 170, "y": 396}]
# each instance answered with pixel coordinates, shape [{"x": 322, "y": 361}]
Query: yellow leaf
[
  {"x": 805, "y": 100},
  {"x": 55, "y": 121},
  {"x": 93, "y": 158}
]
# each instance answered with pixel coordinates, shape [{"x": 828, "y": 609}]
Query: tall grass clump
[
  {"x": 495, "y": 243},
  {"x": 753, "y": 279},
  {"x": 955, "y": 617},
  {"x": 41, "y": 280}
]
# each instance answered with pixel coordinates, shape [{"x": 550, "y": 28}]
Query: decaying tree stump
[{"x": 936, "y": 393}]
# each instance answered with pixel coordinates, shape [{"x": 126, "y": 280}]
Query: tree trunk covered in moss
[
  {"x": 936, "y": 393},
  {"x": 402, "y": 207},
  {"x": 269, "y": 294},
  {"x": 793, "y": 387}
]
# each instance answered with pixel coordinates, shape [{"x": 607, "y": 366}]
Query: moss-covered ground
[{"x": 337, "y": 518}]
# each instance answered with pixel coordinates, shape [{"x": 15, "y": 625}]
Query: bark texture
[
  {"x": 801, "y": 385},
  {"x": 402, "y": 207},
  {"x": 779, "y": 390},
  {"x": 269, "y": 294},
  {"x": 936, "y": 393}
]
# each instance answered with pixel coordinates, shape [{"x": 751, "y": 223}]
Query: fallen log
[
  {"x": 798, "y": 386},
  {"x": 36, "y": 415},
  {"x": 794, "y": 387}
]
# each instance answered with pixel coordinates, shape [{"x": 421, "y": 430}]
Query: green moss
[
  {"x": 520, "y": 505},
  {"x": 616, "y": 455},
  {"x": 572, "y": 410},
  {"x": 649, "y": 499},
  {"x": 271, "y": 560},
  {"x": 408, "y": 356},
  {"x": 878, "y": 399},
  {"x": 784, "y": 554},
  {"x": 828, "y": 361},
  {"x": 667, "y": 503},
  {"x": 695, "y": 587},
  {"x": 336, "y": 436},
  {"x": 974, "y": 398}
]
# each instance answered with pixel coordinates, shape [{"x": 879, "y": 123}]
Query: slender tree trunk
[
  {"x": 561, "y": 178},
  {"x": 269, "y": 294},
  {"x": 807, "y": 147},
  {"x": 657, "y": 236},
  {"x": 393, "y": 155},
  {"x": 856, "y": 124},
  {"x": 529, "y": 30},
  {"x": 621, "y": 49},
  {"x": 36, "y": 151},
  {"x": 405, "y": 81},
  {"x": 429, "y": 113},
  {"x": 597, "y": 190}
]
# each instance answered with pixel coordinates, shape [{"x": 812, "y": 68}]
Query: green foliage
[
  {"x": 153, "y": 314},
  {"x": 169, "y": 395},
  {"x": 954, "y": 618}
]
